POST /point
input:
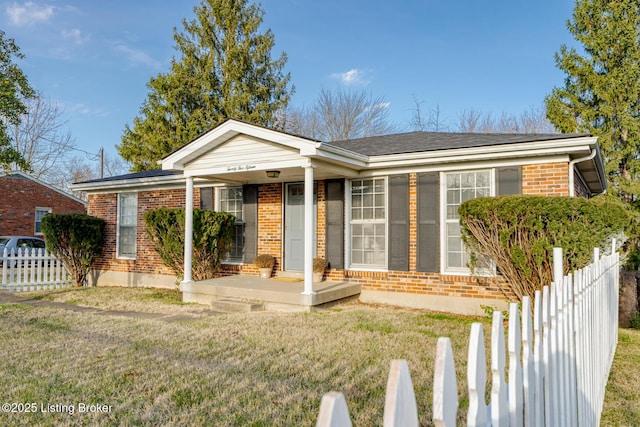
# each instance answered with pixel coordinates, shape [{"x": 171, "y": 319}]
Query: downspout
[{"x": 572, "y": 189}]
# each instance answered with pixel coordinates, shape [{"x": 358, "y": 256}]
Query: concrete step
[
  {"x": 291, "y": 274},
  {"x": 235, "y": 306}
]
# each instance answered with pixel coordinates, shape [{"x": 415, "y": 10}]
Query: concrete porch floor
[{"x": 275, "y": 293}]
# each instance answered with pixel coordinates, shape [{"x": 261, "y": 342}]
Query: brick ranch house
[
  {"x": 26, "y": 200},
  {"x": 383, "y": 209}
]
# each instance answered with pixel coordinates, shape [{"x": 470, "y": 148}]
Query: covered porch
[
  {"x": 260, "y": 161},
  {"x": 279, "y": 293}
]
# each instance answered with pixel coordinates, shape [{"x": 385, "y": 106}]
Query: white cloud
[
  {"x": 28, "y": 13},
  {"x": 138, "y": 56},
  {"x": 81, "y": 108},
  {"x": 352, "y": 77},
  {"x": 75, "y": 35}
]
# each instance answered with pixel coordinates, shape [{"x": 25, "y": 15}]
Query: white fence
[
  {"x": 31, "y": 269},
  {"x": 559, "y": 360}
]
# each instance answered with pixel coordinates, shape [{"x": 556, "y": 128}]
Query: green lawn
[{"x": 261, "y": 368}]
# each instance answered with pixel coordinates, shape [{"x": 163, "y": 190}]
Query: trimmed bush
[
  {"x": 519, "y": 233},
  {"x": 212, "y": 239},
  {"x": 76, "y": 239}
]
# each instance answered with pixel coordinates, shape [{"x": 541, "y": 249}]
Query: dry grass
[
  {"x": 622, "y": 398},
  {"x": 262, "y": 368}
]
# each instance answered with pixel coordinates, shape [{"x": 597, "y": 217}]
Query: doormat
[{"x": 288, "y": 279}]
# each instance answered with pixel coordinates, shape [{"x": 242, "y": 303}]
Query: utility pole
[{"x": 101, "y": 162}]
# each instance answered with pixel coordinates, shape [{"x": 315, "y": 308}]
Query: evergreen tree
[
  {"x": 225, "y": 71},
  {"x": 14, "y": 90},
  {"x": 601, "y": 94}
]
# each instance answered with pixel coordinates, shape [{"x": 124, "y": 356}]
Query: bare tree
[
  {"x": 469, "y": 120},
  {"x": 82, "y": 168},
  {"x": 533, "y": 120},
  {"x": 42, "y": 138},
  {"x": 429, "y": 120},
  {"x": 339, "y": 115}
]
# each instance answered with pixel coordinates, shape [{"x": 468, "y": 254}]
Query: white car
[{"x": 17, "y": 242}]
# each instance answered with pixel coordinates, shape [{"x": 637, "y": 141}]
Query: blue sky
[{"x": 94, "y": 58}]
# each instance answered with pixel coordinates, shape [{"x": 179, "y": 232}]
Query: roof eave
[
  {"x": 159, "y": 181},
  {"x": 538, "y": 148}
]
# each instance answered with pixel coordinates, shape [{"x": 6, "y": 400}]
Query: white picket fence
[
  {"x": 32, "y": 269},
  {"x": 559, "y": 360}
]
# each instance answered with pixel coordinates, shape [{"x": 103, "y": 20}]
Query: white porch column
[
  {"x": 188, "y": 231},
  {"x": 308, "y": 230}
]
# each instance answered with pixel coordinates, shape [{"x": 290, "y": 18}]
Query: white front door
[{"x": 294, "y": 227}]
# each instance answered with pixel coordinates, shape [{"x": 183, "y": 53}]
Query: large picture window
[
  {"x": 368, "y": 225},
  {"x": 230, "y": 200},
  {"x": 460, "y": 187},
  {"x": 127, "y": 224}
]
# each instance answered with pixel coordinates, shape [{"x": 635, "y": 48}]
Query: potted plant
[
  {"x": 319, "y": 267},
  {"x": 265, "y": 264}
]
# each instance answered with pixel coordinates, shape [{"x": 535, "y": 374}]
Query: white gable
[{"x": 242, "y": 151}]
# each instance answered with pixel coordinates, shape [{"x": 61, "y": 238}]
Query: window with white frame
[
  {"x": 230, "y": 200},
  {"x": 460, "y": 187},
  {"x": 368, "y": 224},
  {"x": 40, "y": 213},
  {"x": 127, "y": 224}
]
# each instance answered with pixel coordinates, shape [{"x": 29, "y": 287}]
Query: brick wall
[
  {"x": 416, "y": 282},
  {"x": 548, "y": 179},
  {"x": 270, "y": 221},
  {"x": 21, "y": 197},
  {"x": 322, "y": 221},
  {"x": 105, "y": 206}
]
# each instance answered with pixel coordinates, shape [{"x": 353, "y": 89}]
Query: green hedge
[
  {"x": 519, "y": 233},
  {"x": 76, "y": 239},
  {"x": 212, "y": 239}
]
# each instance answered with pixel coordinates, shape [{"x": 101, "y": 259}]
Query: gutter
[{"x": 572, "y": 189}]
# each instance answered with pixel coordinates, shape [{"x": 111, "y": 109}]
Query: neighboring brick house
[
  {"x": 384, "y": 208},
  {"x": 26, "y": 199}
]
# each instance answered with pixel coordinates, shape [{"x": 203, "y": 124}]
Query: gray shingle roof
[
  {"x": 414, "y": 142},
  {"x": 153, "y": 173}
]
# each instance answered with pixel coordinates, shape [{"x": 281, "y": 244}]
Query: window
[
  {"x": 127, "y": 225},
  {"x": 460, "y": 187},
  {"x": 40, "y": 213},
  {"x": 368, "y": 225},
  {"x": 230, "y": 200}
]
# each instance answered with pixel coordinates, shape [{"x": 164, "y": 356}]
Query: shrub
[
  {"x": 264, "y": 261},
  {"x": 212, "y": 239},
  {"x": 519, "y": 233},
  {"x": 76, "y": 239}
]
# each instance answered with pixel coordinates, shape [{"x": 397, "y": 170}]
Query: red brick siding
[
  {"x": 105, "y": 206},
  {"x": 413, "y": 222},
  {"x": 270, "y": 222},
  {"x": 544, "y": 179},
  {"x": 322, "y": 221},
  {"x": 21, "y": 197},
  {"x": 548, "y": 179}
]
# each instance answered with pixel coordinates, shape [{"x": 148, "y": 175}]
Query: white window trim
[
  {"x": 217, "y": 206},
  {"x": 459, "y": 271},
  {"x": 35, "y": 221},
  {"x": 347, "y": 240},
  {"x": 135, "y": 250}
]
